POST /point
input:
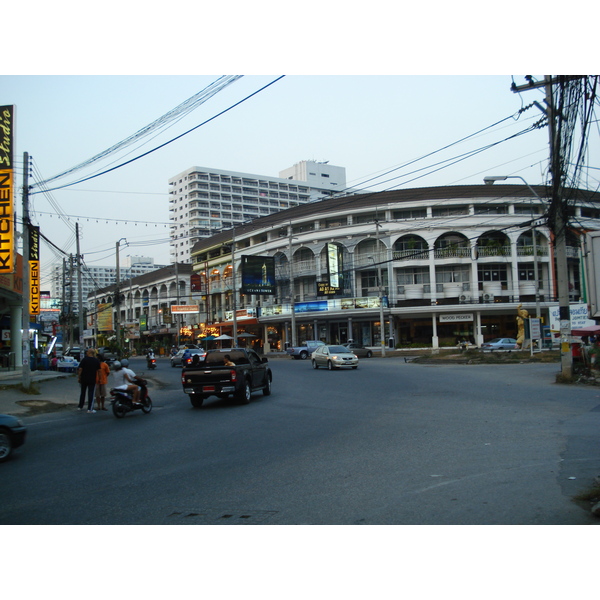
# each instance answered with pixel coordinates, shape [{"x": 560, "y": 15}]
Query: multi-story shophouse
[
  {"x": 143, "y": 309},
  {"x": 444, "y": 263}
]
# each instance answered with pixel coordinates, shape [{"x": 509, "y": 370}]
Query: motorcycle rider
[
  {"x": 149, "y": 357},
  {"x": 125, "y": 378}
]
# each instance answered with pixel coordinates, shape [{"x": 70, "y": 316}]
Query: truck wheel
[
  {"x": 303, "y": 355},
  {"x": 369, "y": 354},
  {"x": 196, "y": 400},
  {"x": 267, "y": 388},
  {"x": 244, "y": 395}
]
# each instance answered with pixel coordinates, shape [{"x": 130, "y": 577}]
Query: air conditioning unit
[
  {"x": 488, "y": 297},
  {"x": 465, "y": 298}
]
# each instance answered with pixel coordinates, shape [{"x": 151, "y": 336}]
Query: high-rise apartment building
[{"x": 204, "y": 201}]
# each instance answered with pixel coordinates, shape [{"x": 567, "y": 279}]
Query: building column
[
  {"x": 478, "y": 334},
  {"x": 514, "y": 264},
  {"x": 435, "y": 343}
]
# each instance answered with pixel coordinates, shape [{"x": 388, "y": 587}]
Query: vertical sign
[
  {"x": 34, "y": 270},
  {"x": 334, "y": 267},
  {"x": 7, "y": 232}
]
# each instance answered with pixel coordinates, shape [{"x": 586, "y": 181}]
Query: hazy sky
[
  {"x": 349, "y": 97},
  {"x": 367, "y": 124}
]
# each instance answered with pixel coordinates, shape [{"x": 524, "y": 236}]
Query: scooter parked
[{"x": 122, "y": 401}]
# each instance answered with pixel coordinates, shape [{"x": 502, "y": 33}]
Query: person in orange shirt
[{"x": 101, "y": 381}]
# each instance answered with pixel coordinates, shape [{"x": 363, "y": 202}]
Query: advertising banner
[
  {"x": 258, "y": 275},
  {"x": 184, "y": 309},
  {"x": 7, "y": 227},
  {"x": 334, "y": 267},
  {"x": 34, "y": 270},
  {"x": 105, "y": 317}
]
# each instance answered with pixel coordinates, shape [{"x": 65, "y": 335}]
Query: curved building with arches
[{"x": 445, "y": 263}]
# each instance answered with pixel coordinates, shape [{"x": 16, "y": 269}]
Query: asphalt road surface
[{"x": 390, "y": 443}]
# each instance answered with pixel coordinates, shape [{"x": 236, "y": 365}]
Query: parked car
[
  {"x": 176, "y": 360},
  {"x": 73, "y": 352},
  {"x": 333, "y": 357},
  {"x": 67, "y": 364},
  {"x": 12, "y": 435},
  {"x": 499, "y": 344},
  {"x": 359, "y": 349},
  {"x": 305, "y": 350}
]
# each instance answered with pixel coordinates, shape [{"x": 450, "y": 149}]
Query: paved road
[{"x": 389, "y": 443}]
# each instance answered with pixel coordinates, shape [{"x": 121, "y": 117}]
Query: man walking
[{"x": 86, "y": 375}]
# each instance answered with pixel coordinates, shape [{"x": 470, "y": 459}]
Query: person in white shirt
[{"x": 124, "y": 378}]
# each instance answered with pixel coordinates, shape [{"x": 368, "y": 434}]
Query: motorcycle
[
  {"x": 122, "y": 401},
  {"x": 151, "y": 362}
]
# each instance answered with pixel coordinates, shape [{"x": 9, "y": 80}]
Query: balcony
[
  {"x": 528, "y": 251},
  {"x": 452, "y": 252}
]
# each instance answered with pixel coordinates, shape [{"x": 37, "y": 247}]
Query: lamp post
[
  {"x": 490, "y": 180},
  {"x": 118, "y": 296}
]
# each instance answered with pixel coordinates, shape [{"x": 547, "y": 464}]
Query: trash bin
[{"x": 391, "y": 343}]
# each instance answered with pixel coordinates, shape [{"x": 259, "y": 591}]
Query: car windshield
[{"x": 338, "y": 349}]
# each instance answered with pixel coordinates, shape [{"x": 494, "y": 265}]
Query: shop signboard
[{"x": 7, "y": 216}]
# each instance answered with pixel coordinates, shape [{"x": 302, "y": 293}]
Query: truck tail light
[{"x": 233, "y": 375}]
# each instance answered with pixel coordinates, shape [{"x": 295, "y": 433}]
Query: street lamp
[
  {"x": 490, "y": 180},
  {"x": 118, "y": 295}
]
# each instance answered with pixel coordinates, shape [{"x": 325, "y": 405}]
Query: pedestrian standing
[
  {"x": 86, "y": 375},
  {"x": 101, "y": 381}
]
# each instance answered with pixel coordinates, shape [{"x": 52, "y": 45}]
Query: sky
[
  {"x": 367, "y": 93},
  {"x": 369, "y": 124}
]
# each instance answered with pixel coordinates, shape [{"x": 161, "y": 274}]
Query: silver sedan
[{"x": 333, "y": 357}]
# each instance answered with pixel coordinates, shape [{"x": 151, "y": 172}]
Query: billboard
[
  {"x": 334, "y": 267},
  {"x": 105, "y": 317},
  {"x": 7, "y": 228},
  {"x": 185, "y": 309},
  {"x": 34, "y": 270},
  {"x": 258, "y": 275},
  {"x": 592, "y": 272}
]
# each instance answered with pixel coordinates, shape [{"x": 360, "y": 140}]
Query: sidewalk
[{"x": 57, "y": 391}]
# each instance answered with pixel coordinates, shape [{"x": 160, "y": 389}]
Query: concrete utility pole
[
  {"x": 117, "y": 300},
  {"x": 79, "y": 293},
  {"x": 380, "y": 284},
  {"x": 25, "y": 346},
  {"x": 559, "y": 229},
  {"x": 292, "y": 296}
]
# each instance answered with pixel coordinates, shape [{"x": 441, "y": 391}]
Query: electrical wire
[
  {"x": 171, "y": 140},
  {"x": 162, "y": 122}
]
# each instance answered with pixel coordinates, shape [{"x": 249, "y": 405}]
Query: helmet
[
  {"x": 116, "y": 365},
  {"x": 124, "y": 363}
]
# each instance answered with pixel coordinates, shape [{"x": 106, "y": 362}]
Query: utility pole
[
  {"x": 118, "y": 300},
  {"x": 557, "y": 210},
  {"x": 292, "y": 296},
  {"x": 25, "y": 345},
  {"x": 380, "y": 284},
  {"x": 233, "y": 289},
  {"x": 79, "y": 293}
]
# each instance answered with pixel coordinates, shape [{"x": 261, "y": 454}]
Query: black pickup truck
[{"x": 212, "y": 376}]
